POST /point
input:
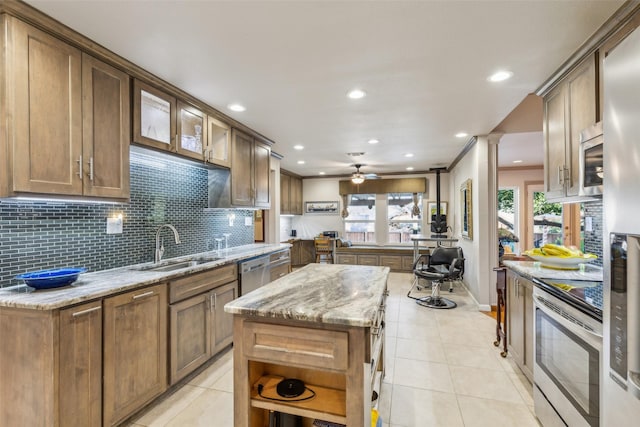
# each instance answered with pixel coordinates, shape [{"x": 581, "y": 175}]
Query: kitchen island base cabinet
[
  {"x": 135, "y": 351},
  {"x": 329, "y": 359}
]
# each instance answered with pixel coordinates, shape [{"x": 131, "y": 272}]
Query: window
[
  {"x": 547, "y": 221},
  {"x": 359, "y": 226},
  {"x": 401, "y": 221},
  {"x": 508, "y": 227}
]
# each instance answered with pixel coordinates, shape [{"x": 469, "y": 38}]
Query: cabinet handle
[
  {"x": 79, "y": 161},
  {"x": 90, "y": 168},
  {"x": 282, "y": 274},
  {"x": 213, "y": 301},
  {"x": 178, "y": 142},
  {"x": 146, "y": 294},
  {"x": 87, "y": 311},
  {"x": 560, "y": 175}
]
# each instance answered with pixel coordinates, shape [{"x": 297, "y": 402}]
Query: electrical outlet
[
  {"x": 114, "y": 225},
  {"x": 248, "y": 221}
]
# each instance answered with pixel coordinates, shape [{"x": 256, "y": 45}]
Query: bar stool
[{"x": 324, "y": 251}]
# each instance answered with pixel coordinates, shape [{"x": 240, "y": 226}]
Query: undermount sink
[{"x": 177, "y": 264}]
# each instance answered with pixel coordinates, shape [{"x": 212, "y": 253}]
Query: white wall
[
  {"x": 327, "y": 189},
  {"x": 481, "y": 251}
]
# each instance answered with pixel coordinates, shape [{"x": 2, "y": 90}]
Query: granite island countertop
[
  {"x": 99, "y": 284},
  {"x": 322, "y": 293}
]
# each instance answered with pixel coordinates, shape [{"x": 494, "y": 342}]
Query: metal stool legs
[{"x": 435, "y": 300}]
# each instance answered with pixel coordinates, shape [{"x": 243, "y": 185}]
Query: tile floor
[{"x": 442, "y": 370}]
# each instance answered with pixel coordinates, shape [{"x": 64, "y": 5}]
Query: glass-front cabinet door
[
  {"x": 154, "y": 117},
  {"x": 192, "y": 131},
  {"x": 218, "y": 143}
]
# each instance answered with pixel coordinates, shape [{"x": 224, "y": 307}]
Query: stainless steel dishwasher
[{"x": 254, "y": 273}]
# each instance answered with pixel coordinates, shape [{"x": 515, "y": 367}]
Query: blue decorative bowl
[{"x": 46, "y": 279}]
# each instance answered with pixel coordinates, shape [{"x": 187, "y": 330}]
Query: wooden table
[{"x": 501, "y": 309}]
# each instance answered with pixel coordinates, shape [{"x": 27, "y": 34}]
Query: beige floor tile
[
  {"x": 213, "y": 373},
  {"x": 225, "y": 383},
  {"x": 473, "y": 357},
  {"x": 427, "y": 350},
  {"x": 413, "y": 407},
  {"x": 477, "y": 412},
  {"x": 391, "y": 328},
  {"x": 421, "y": 374},
  {"x": 415, "y": 313},
  {"x": 211, "y": 408},
  {"x": 449, "y": 335},
  {"x": 525, "y": 388},
  {"x": 418, "y": 331},
  {"x": 384, "y": 405},
  {"x": 484, "y": 383},
  {"x": 161, "y": 413}
]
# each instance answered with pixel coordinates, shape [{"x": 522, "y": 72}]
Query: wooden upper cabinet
[
  {"x": 218, "y": 147},
  {"x": 106, "y": 129},
  {"x": 285, "y": 198},
  {"x": 568, "y": 109},
  {"x": 154, "y": 117},
  {"x": 46, "y": 141},
  {"x": 241, "y": 169},
  {"x": 295, "y": 195},
  {"x": 70, "y": 119},
  {"x": 262, "y": 173},
  {"x": 192, "y": 131}
]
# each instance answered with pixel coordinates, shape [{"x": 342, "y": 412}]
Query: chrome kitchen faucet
[{"x": 160, "y": 246}]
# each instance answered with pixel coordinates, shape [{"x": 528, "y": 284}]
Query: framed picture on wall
[
  {"x": 322, "y": 207},
  {"x": 432, "y": 210},
  {"x": 466, "y": 213}
]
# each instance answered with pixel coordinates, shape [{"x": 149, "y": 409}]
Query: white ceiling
[
  {"x": 525, "y": 148},
  {"x": 423, "y": 64}
]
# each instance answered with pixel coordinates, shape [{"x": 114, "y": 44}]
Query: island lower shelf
[{"x": 339, "y": 363}]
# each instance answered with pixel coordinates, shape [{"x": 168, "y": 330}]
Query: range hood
[{"x": 219, "y": 188}]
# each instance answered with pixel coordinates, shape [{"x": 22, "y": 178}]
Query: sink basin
[{"x": 177, "y": 264}]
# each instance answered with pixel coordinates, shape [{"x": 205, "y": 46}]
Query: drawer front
[
  {"x": 394, "y": 262},
  {"x": 279, "y": 256},
  {"x": 368, "y": 259},
  {"x": 407, "y": 262},
  {"x": 346, "y": 259},
  {"x": 279, "y": 271},
  {"x": 290, "y": 345},
  {"x": 197, "y": 283}
]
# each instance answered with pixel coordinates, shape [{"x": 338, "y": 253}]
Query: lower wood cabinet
[
  {"x": 520, "y": 319},
  {"x": 199, "y": 327},
  {"x": 81, "y": 365},
  {"x": 135, "y": 351}
]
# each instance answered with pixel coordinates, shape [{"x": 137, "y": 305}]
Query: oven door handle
[{"x": 568, "y": 323}]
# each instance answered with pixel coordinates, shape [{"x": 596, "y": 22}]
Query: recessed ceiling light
[
  {"x": 409, "y": 155},
  {"x": 410, "y": 168},
  {"x": 356, "y": 94},
  {"x": 461, "y": 134},
  {"x": 301, "y": 162},
  {"x": 321, "y": 173},
  {"x": 517, "y": 161},
  {"x": 298, "y": 147},
  {"x": 500, "y": 76},
  {"x": 373, "y": 141},
  {"x": 236, "y": 107}
]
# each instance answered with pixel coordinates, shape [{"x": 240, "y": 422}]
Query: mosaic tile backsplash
[
  {"x": 593, "y": 239},
  {"x": 37, "y": 235}
]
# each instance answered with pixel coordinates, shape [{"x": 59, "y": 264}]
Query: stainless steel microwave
[{"x": 591, "y": 161}]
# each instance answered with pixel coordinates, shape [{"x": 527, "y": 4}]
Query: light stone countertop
[
  {"x": 321, "y": 293},
  {"x": 99, "y": 284},
  {"x": 528, "y": 269}
]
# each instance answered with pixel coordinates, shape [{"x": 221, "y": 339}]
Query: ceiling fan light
[{"x": 357, "y": 178}]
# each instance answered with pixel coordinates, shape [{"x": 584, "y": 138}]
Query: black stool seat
[{"x": 444, "y": 263}]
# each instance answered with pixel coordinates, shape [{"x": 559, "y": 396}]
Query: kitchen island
[{"x": 322, "y": 324}]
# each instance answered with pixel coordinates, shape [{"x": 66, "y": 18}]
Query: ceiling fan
[{"x": 359, "y": 177}]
